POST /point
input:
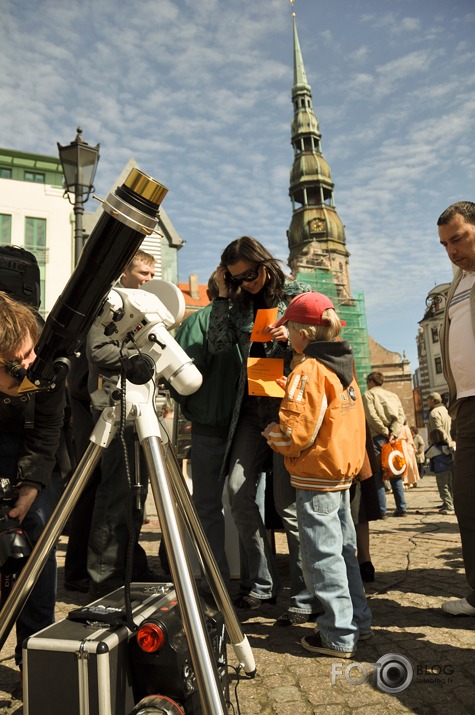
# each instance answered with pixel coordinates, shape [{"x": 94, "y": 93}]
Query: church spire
[
  {"x": 316, "y": 235},
  {"x": 300, "y": 78}
]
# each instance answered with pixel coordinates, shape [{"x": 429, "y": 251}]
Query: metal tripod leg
[
  {"x": 239, "y": 641},
  {"x": 206, "y": 672},
  {"x": 50, "y": 535}
]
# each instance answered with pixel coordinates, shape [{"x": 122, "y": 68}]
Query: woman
[
  {"x": 249, "y": 279},
  {"x": 411, "y": 475},
  {"x": 420, "y": 447}
]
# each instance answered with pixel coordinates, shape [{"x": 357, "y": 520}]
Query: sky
[{"x": 199, "y": 94}]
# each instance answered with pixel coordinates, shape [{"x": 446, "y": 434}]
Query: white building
[
  {"x": 431, "y": 376},
  {"x": 35, "y": 214}
]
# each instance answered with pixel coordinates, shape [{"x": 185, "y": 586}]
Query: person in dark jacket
[
  {"x": 209, "y": 410},
  {"x": 250, "y": 279},
  {"x": 30, "y": 430},
  {"x": 109, "y": 533}
]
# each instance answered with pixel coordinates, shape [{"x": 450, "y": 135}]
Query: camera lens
[{"x": 395, "y": 673}]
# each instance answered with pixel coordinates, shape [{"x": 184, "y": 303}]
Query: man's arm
[
  {"x": 372, "y": 415},
  {"x": 102, "y": 351},
  {"x": 41, "y": 440},
  {"x": 395, "y": 428}
]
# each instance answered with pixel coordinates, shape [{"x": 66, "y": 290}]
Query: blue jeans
[
  {"x": 38, "y": 612},
  {"x": 249, "y": 456},
  {"x": 330, "y": 566},
  {"x": 207, "y": 454},
  {"x": 396, "y": 483}
]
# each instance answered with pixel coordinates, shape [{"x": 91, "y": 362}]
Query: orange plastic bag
[{"x": 393, "y": 462}]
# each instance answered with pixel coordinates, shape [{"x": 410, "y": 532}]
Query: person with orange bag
[{"x": 385, "y": 417}]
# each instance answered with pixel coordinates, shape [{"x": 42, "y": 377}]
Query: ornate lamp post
[{"x": 79, "y": 162}]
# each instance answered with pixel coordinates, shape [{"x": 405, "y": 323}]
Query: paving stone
[{"x": 418, "y": 565}]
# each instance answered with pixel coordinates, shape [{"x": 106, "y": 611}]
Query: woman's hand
[{"x": 221, "y": 281}]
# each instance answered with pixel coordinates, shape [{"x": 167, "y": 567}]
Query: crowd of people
[{"x": 315, "y": 441}]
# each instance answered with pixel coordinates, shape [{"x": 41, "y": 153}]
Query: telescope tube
[{"x": 130, "y": 213}]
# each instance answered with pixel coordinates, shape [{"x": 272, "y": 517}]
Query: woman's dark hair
[{"x": 250, "y": 250}]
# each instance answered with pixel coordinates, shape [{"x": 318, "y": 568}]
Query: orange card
[
  {"x": 264, "y": 318},
  {"x": 262, "y": 374}
]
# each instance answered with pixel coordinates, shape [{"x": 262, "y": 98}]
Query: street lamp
[{"x": 79, "y": 162}]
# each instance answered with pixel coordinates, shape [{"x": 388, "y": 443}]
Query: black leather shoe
[{"x": 82, "y": 585}]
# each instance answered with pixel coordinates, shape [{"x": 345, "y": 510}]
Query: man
[
  {"x": 439, "y": 417},
  {"x": 456, "y": 227},
  {"x": 109, "y": 534},
  {"x": 209, "y": 410},
  {"x": 440, "y": 422},
  {"x": 385, "y": 418},
  {"x": 30, "y": 429}
]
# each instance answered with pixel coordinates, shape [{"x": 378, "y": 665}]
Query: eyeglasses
[{"x": 247, "y": 277}]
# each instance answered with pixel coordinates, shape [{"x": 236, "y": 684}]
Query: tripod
[{"x": 176, "y": 512}]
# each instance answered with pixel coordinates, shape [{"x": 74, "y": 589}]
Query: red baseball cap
[{"x": 307, "y": 308}]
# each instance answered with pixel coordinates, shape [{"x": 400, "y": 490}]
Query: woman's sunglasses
[{"x": 247, "y": 277}]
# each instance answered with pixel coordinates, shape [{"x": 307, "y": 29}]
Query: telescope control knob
[{"x": 110, "y": 329}]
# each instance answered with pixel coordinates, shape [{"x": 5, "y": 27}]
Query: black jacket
[{"x": 35, "y": 420}]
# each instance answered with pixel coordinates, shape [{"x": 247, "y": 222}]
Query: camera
[
  {"x": 14, "y": 544},
  {"x": 16, "y": 370}
]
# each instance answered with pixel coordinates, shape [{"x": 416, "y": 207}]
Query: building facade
[
  {"x": 35, "y": 214},
  {"x": 431, "y": 376}
]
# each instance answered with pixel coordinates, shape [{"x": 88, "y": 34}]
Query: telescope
[{"x": 130, "y": 214}]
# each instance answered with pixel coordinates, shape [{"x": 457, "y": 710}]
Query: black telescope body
[{"x": 130, "y": 213}]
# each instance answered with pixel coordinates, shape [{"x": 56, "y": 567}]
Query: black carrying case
[{"x": 91, "y": 668}]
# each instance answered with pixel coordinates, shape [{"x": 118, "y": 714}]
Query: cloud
[{"x": 200, "y": 95}]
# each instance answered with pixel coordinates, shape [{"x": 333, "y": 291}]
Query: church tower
[
  {"x": 316, "y": 235},
  {"x": 317, "y": 243}
]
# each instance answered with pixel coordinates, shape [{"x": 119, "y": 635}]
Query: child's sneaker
[{"x": 314, "y": 644}]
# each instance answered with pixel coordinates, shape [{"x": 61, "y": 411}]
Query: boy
[
  {"x": 321, "y": 433},
  {"x": 440, "y": 457}
]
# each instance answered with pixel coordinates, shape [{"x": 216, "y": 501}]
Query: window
[
  {"x": 35, "y": 233},
  {"x": 34, "y": 176},
  {"x": 5, "y": 229},
  {"x": 435, "y": 334},
  {"x": 438, "y": 365},
  {"x": 35, "y": 241},
  {"x": 5, "y": 173}
]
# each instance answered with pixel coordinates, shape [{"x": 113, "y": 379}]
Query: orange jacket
[{"x": 321, "y": 429}]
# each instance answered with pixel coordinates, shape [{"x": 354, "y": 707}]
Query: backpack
[
  {"x": 441, "y": 463},
  {"x": 20, "y": 275}
]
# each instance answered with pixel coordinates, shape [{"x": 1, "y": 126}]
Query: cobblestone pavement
[{"x": 418, "y": 566}]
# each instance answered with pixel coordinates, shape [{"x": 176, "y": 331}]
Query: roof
[{"x": 193, "y": 303}]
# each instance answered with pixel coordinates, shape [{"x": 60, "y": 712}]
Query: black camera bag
[{"x": 20, "y": 275}]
